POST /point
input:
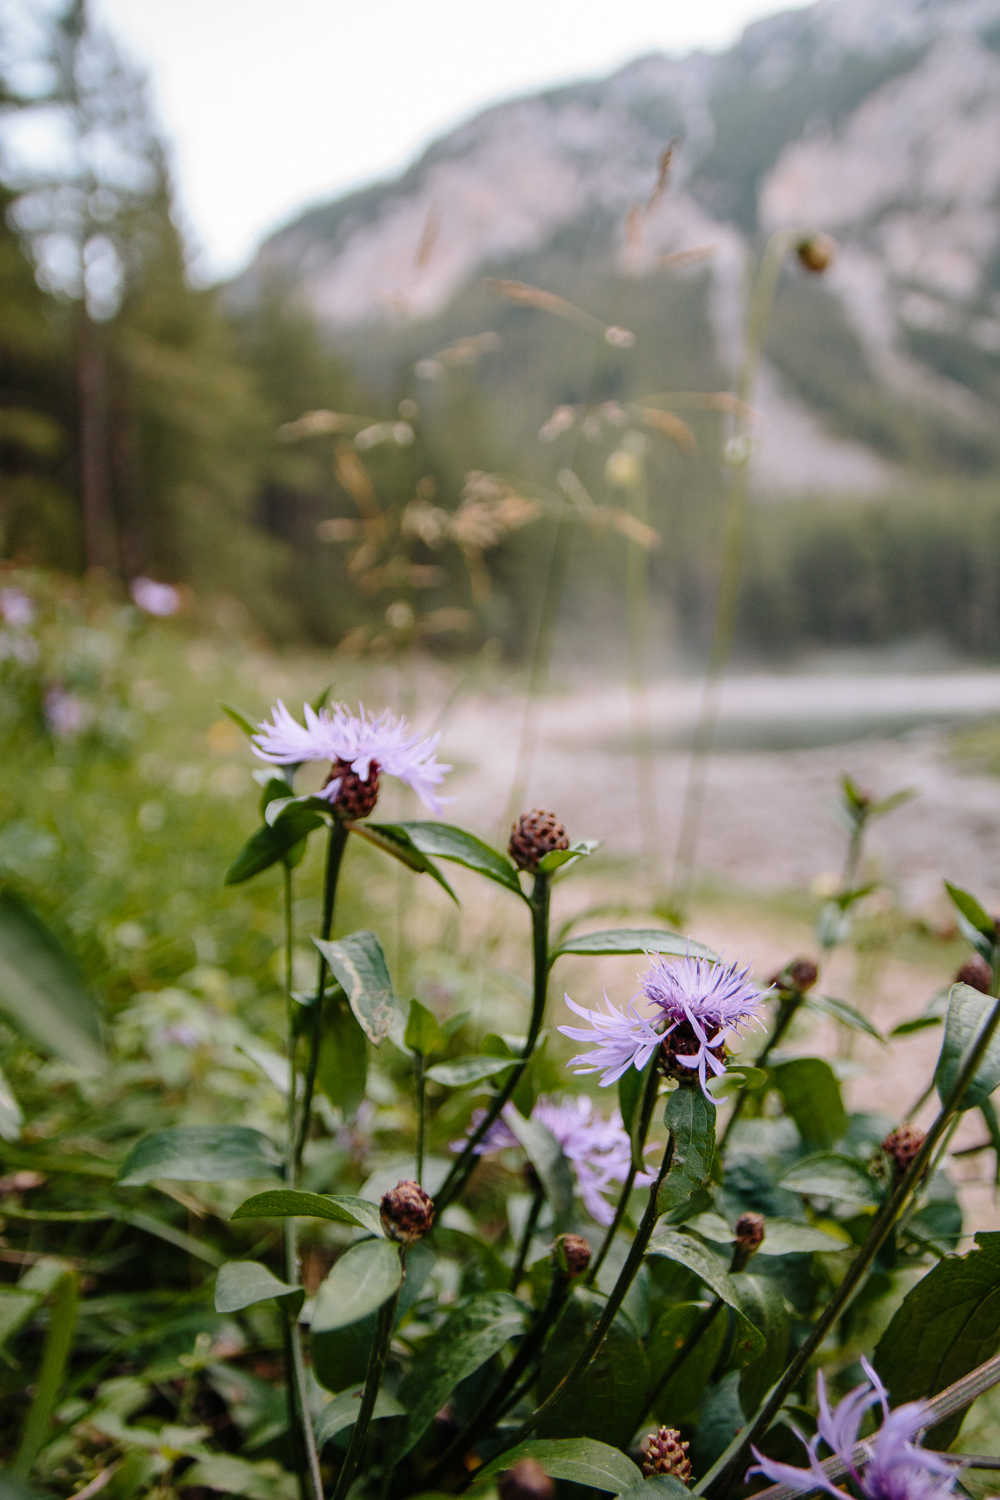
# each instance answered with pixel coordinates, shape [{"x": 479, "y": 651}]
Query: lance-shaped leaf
[
  {"x": 967, "y": 906},
  {"x": 11, "y": 1115},
  {"x": 828, "y": 1175},
  {"x": 42, "y": 989},
  {"x": 465, "y": 1070},
  {"x": 608, "y": 1404},
  {"x": 360, "y": 967},
  {"x": 945, "y": 1326},
  {"x": 364, "y": 1277},
  {"x": 690, "y": 1118},
  {"x": 657, "y": 1487},
  {"x": 273, "y": 841},
  {"x": 827, "y": 1005},
  {"x": 762, "y": 1304},
  {"x": 969, "y": 1012},
  {"x": 471, "y": 1336},
  {"x": 342, "y": 1070},
  {"x": 287, "y": 1203},
  {"x": 546, "y": 1156},
  {"x": 789, "y": 1237},
  {"x": 445, "y": 841},
  {"x": 343, "y": 1410},
  {"x": 557, "y": 858},
  {"x": 393, "y": 839},
  {"x": 200, "y": 1153},
  {"x": 240, "y": 719},
  {"x": 423, "y": 1034},
  {"x": 685, "y": 1250},
  {"x": 632, "y": 940},
  {"x": 577, "y": 1460},
  {"x": 681, "y": 1396},
  {"x": 242, "y": 1283},
  {"x": 811, "y": 1093}
]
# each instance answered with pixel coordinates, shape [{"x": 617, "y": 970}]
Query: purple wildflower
[
  {"x": 895, "y": 1469},
  {"x": 66, "y": 714},
  {"x": 711, "y": 998},
  {"x": 17, "y": 608},
  {"x": 598, "y": 1150},
  {"x": 361, "y": 741},
  {"x": 155, "y": 598}
]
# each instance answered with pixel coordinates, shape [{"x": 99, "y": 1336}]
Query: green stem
[
  {"x": 463, "y": 1167},
  {"x": 335, "y": 846},
  {"x": 721, "y": 1475},
  {"x": 786, "y": 1013},
  {"x": 648, "y": 1105},
  {"x": 529, "y": 1229},
  {"x": 58, "y": 1342},
  {"x": 421, "y": 1084},
  {"x": 373, "y": 1382}
]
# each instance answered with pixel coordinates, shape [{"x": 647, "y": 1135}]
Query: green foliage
[
  {"x": 200, "y": 1153},
  {"x": 968, "y": 1013},
  {"x": 609, "y": 1405}
]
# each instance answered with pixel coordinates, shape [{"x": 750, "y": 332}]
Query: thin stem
[
  {"x": 786, "y": 1012},
  {"x": 529, "y": 1229},
  {"x": 648, "y": 1105},
  {"x": 58, "y": 1343},
  {"x": 336, "y": 843},
  {"x": 373, "y": 1382},
  {"x": 718, "y": 1479},
  {"x": 418, "y": 1071},
  {"x": 463, "y": 1167}
]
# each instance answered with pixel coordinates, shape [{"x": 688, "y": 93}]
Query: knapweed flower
[
  {"x": 358, "y": 748},
  {"x": 66, "y": 714},
  {"x": 598, "y": 1150},
  {"x": 895, "y": 1469},
  {"x": 17, "y": 608},
  {"x": 154, "y": 598},
  {"x": 697, "y": 1001}
]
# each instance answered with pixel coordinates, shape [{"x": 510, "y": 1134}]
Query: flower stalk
[
  {"x": 373, "y": 1382},
  {"x": 649, "y": 1098},
  {"x": 335, "y": 846}
]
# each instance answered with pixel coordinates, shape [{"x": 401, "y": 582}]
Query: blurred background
[{"x": 402, "y": 347}]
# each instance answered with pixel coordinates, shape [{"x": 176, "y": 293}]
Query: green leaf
[
  {"x": 448, "y": 842},
  {"x": 737, "y": 1076},
  {"x": 242, "y": 1283},
  {"x": 658, "y": 1487},
  {"x": 608, "y": 1404},
  {"x": 556, "y": 858},
  {"x": 272, "y": 842},
  {"x": 631, "y": 1092},
  {"x": 43, "y": 991},
  {"x": 393, "y": 839},
  {"x": 455, "y": 1075},
  {"x": 631, "y": 940},
  {"x": 946, "y": 1326},
  {"x": 360, "y": 967},
  {"x": 827, "y": 1005},
  {"x": 577, "y": 1460},
  {"x": 919, "y": 1023},
  {"x": 364, "y": 1277},
  {"x": 685, "y": 1250},
  {"x": 968, "y": 1013},
  {"x": 239, "y": 719},
  {"x": 967, "y": 905},
  {"x": 827, "y": 1175},
  {"x": 690, "y": 1118},
  {"x": 789, "y": 1237},
  {"x": 340, "y": 1354},
  {"x": 992, "y": 1124},
  {"x": 11, "y": 1115},
  {"x": 681, "y": 1396},
  {"x": 811, "y": 1093},
  {"x": 423, "y": 1034},
  {"x": 546, "y": 1156},
  {"x": 470, "y": 1337},
  {"x": 342, "y": 1412},
  {"x": 284, "y": 1203},
  {"x": 762, "y": 1304},
  {"x": 342, "y": 1070},
  {"x": 235, "y": 1476},
  {"x": 200, "y": 1153}
]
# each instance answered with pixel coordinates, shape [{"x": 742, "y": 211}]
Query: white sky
[{"x": 273, "y": 104}]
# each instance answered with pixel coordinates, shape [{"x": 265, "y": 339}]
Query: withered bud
[
  {"x": 527, "y": 1480},
  {"x": 535, "y": 834},
  {"x": 664, "y": 1453},
  {"x": 570, "y": 1253},
  {"x": 749, "y": 1233},
  {"x": 799, "y": 975},
  {"x": 356, "y": 798},
  {"x": 977, "y": 973},
  {"x": 407, "y": 1212},
  {"x": 816, "y": 252},
  {"x": 901, "y": 1146}
]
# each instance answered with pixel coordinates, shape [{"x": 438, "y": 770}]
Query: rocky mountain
[{"x": 877, "y": 121}]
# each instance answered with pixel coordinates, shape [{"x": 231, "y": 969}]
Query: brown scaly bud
[
  {"x": 356, "y": 798},
  {"x": 684, "y": 1042},
  {"x": 407, "y": 1213},
  {"x": 570, "y": 1254},
  {"x": 664, "y": 1453},
  {"x": 535, "y": 834},
  {"x": 901, "y": 1146},
  {"x": 527, "y": 1480},
  {"x": 749, "y": 1238},
  {"x": 816, "y": 252},
  {"x": 977, "y": 973},
  {"x": 800, "y": 974}
]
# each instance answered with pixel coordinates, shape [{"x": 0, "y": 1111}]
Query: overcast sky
[{"x": 273, "y": 104}]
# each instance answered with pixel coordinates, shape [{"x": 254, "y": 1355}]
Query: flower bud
[
  {"x": 527, "y": 1480},
  {"x": 799, "y": 975},
  {"x": 407, "y": 1213},
  {"x": 535, "y": 834},
  {"x": 664, "y": 1453},
  {"x": 816, "y": 252},
  {"x": 356, "y": 798},
  {"x": 570, "y": 1254},
  {"x": 901, "y": 1146},
  {"x": 977, "y": 973},
  {"x": 749, "y": 1238}
]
